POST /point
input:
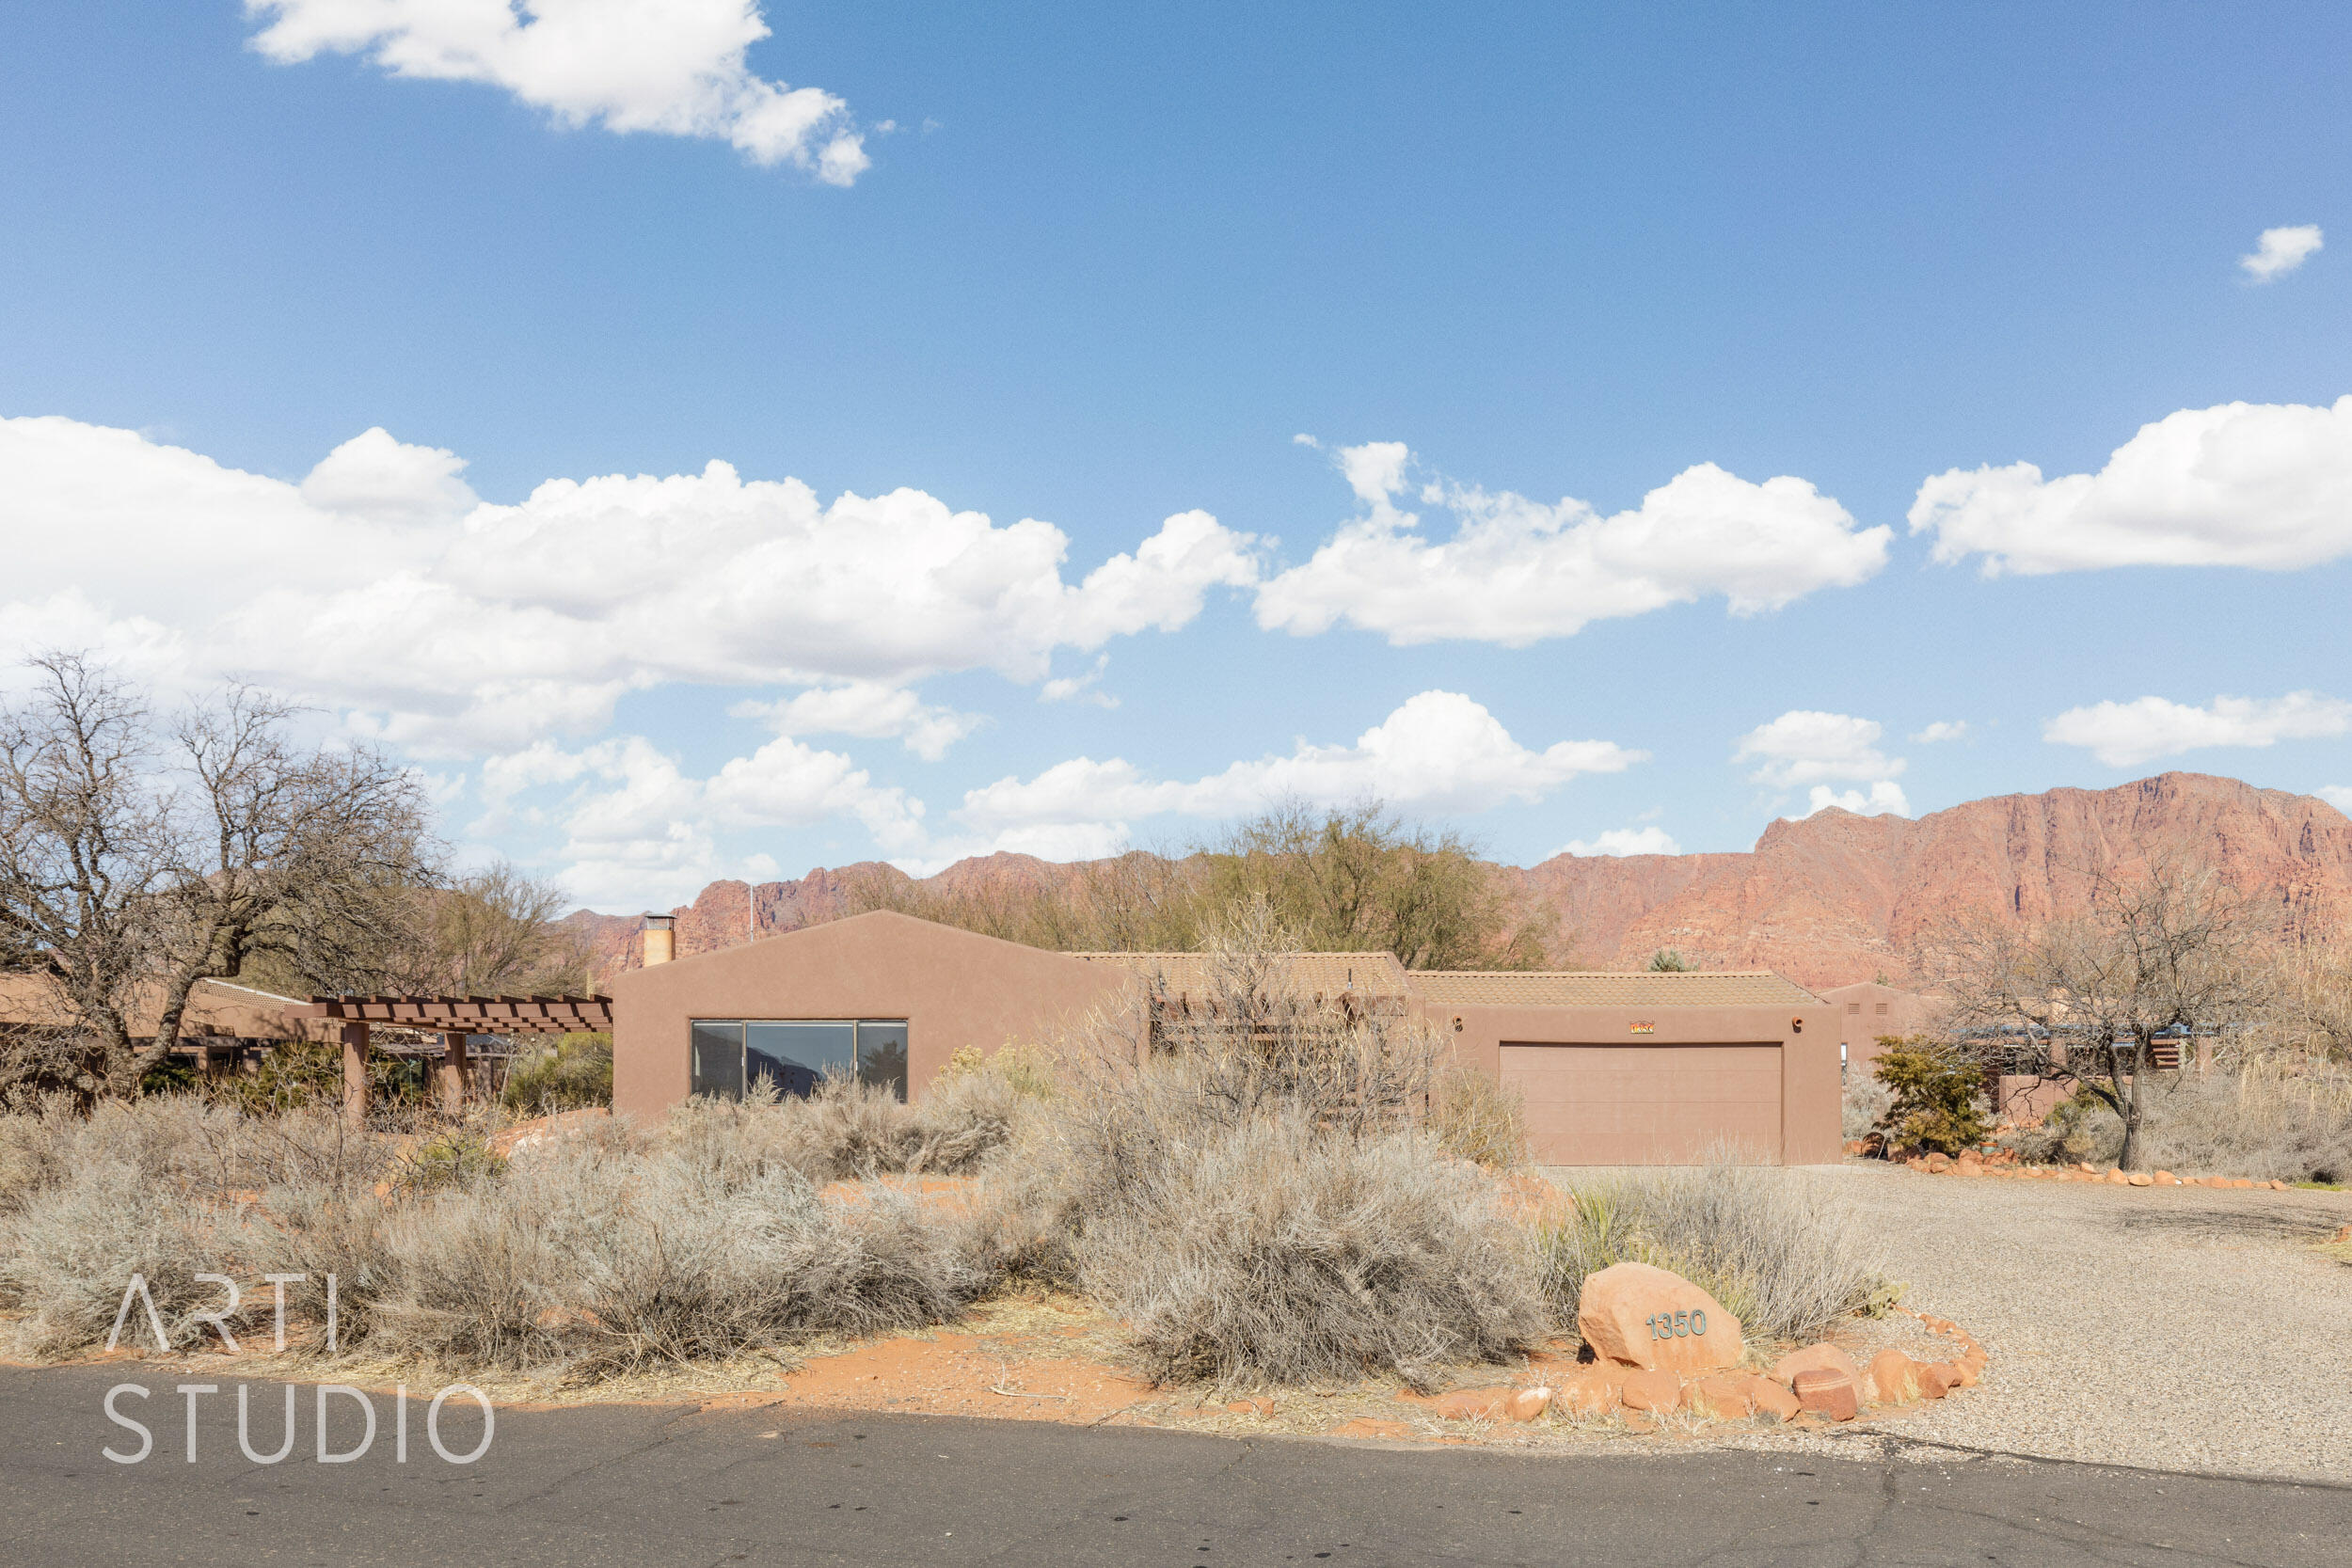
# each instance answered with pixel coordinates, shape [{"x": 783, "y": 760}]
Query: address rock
[{"x": 1637, "y": 1315}]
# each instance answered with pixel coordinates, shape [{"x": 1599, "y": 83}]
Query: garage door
[{"x": 1646, "y": 1104}]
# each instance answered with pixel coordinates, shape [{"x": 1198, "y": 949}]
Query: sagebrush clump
[{"x": 1781, "y": 1253}]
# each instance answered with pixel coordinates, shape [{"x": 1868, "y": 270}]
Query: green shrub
[
  {"x": 571, "y": 1072},
  {"x": 1939, "y": 1095}
]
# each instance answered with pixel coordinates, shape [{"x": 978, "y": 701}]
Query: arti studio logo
[{"x": 330, "y": 1449}]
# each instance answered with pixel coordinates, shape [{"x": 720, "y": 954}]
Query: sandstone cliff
[{"x": 1827, "y": 900}]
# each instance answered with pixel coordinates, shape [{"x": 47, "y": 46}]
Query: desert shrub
[
  {"x": 2270, "y": 1118},
  {"x": 1246, "y": 1180},
  {"x": 2081, "y": 1127},
  {"x": 1480, "y": 1118},
  {"x": 602, "y": 1265},
  {"x": 453, "y": 1157},
  {"x": 68, "y": 1253},
  {"x": 1866, "y": 1103},
  {"x": 1280, "y": 1253},
  {"x": 570, "y": 1073},
  {"x": 1779, "y": 1250},
  {"x": 1938, "y": 1092}
]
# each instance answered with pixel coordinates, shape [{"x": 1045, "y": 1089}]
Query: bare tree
[
  {"x": 2168, "y": 954},
  {"x": 493, "y": 933},
  {"x": 137, "y": 858}
]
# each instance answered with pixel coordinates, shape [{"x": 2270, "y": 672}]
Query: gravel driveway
[{"x": 2179, "y": 1328}]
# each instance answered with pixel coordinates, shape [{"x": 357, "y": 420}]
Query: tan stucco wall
[
  {"x": 953, "y": 988},
  {"x": 1860, "y": 1023},
  {"x": 1807, "y": 1035}
]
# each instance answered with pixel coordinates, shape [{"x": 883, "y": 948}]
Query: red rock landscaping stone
[
  {"x": 1589, "y": 1390},
  {"x": 1937, "y": 1379},
  {"x": 1828, "y": 1393},
  {"x": 1893, "y": 1377},
  {"x": 1819, "y": 1358},
  {"x": 1726, "y": 1399},
  {"x": 1639, "y": 1316},
  {"x": 1474, "y": 1404},
  {"x": 1660, "y": 1391},
  {"x": 1771, "y": 1398}
]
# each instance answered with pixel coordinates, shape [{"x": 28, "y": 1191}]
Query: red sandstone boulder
[
  {"x": 1815, "y": 1359},
  {"x": 1726, "y": 1399},
  {"x": 1830, "y": 1394},
  {"x": 1590, "y": 1390},
  {"x": 1893, "y": 1377},
  {"x": 1771, "y": 1398},
  {"x": 1639, "y": 1316},
  {"x": 1938, "y": 1379},
  {"x": 1658, "y": 1392}
]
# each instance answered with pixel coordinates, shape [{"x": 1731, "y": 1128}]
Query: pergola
[{"x": 453, "y": 1018}]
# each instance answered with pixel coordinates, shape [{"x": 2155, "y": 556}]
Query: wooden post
[
  {"x": 356, "y": 1073},
  {"x": 455, "y": 1071}
]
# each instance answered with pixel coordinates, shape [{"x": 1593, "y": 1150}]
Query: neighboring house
[
  {"x": 224, "y": 1026},
  {"x": 1632, "y": 1068},
  {"x": 1869, "y": 1012}
]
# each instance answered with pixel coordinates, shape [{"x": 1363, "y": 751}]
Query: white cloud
[
  {"x": 2338, "y": 796},
  {"x": 1438, "y": 752},
  {"x": 2279, "y": 251},
  {"x": 1080, "y": 689},
  {"x": 1802, "y": 747},
  {"x": 1942, "y": 729},
  {"x": 378, "y": 480},
  {"x": 672, "y": 67},
  {"x": 1625, "y": 841},
  {"x": 1516, "y": 571},
  {"x": 637, "y": 828},
  {"x": 2263, "y": 485},
  {"x": 2124, "y": 735},
  {"x": 517, "y": 623},
  {"x": 869, "y": 710},
  {"x": 1886, "y": 799}
]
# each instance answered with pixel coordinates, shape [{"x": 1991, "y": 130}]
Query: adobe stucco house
[{"x": 1638, "y": 1069}]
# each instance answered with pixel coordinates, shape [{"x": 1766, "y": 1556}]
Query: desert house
[
  {"x": 1614, "y": 1068},
  {"x": 226, "y": 1027},
  {"x": 1872, "y": 1011}
]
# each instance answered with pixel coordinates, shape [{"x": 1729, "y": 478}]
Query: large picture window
[{"x": 730, "y": 1055}]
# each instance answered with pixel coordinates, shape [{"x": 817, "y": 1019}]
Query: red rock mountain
[{"x": 1826, "y": 901}]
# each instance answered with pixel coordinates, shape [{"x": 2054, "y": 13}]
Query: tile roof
[
  {"x": 1316, "y": 973},
  {"x": 1592, "y": 988}
]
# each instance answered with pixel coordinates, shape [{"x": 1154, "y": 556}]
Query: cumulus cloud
[
  {"x": 637, "y": 826},
  {"x": 2125, "y": 735},
  {"x": 1942, "y": 729},
  {"x": 1438, "y": 752},
  {"x": 2338, "y": 796},
  {"x": 2263, "y": 485},
  {"x": 1652, "y": 840},
  {"x": 1804, "y": 747},
  {"x": 2279, "y": 251},
  {"x": 514, "y": 623},
  {"x": 379, "y": 480},
  {"x": 869, "y": 710},
  {"x": 1080, "y": 689},
  {"x": 1516, "y": 571},
  {"x": 1886, "y": 799},
  {"x": 672, "y": 66}
]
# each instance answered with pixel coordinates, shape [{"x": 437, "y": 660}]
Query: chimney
[{"x": 661, "y": 939}]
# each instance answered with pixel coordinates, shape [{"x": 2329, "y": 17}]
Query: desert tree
[
  {"x": 2167, "y": 951},
  {"x": 141, "y": 853}
]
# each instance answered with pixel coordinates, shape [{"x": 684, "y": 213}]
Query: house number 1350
[{"x": 1676, "y": 1325}]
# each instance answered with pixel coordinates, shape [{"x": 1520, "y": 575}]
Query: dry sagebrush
[{"x": 1780, "y": 1252}]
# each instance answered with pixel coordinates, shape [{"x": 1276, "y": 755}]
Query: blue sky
[{"x": 1731, "y": 296}]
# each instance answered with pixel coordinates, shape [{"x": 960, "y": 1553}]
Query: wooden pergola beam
[{"x": 486, "y": 1014}]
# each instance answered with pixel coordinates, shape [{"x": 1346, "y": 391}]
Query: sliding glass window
[{"x": 732, "y": 1054}]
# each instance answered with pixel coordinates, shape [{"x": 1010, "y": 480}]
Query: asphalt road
[{"x": 652, "y": 1486}]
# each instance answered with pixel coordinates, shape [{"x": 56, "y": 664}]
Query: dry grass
[
  {"x": 1866, "y": 1102},
  {"x": 2272, "y": 1116},
  {"x": 1785, "y": 1255},
  {"x": 1479, "y": 1117}
]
